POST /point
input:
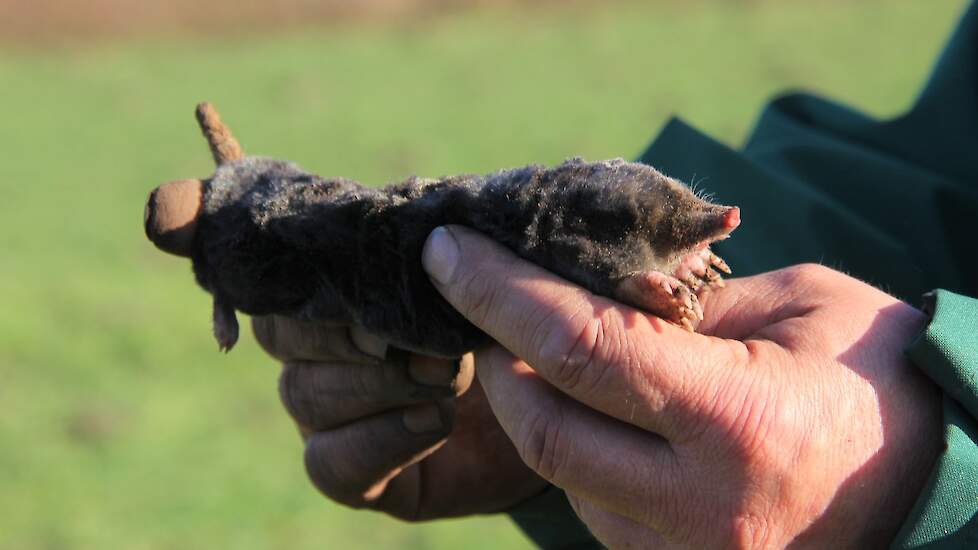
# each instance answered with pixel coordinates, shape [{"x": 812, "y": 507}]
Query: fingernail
[
  {"x": 423, "y": 419},
  {"x": 368, "y": 343},
  {"x": 430, "y": 371},
  {"x": 440, "y": 255}
]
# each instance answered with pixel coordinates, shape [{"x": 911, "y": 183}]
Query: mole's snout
[
  {"x": 731, "y": 219},
  {"x": 170, "y": 218}
]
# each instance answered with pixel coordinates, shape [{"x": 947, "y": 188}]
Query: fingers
[
  {"x": 611, "y": 463},
  {"x": 289, "y": 339},
  {"x": 321, "y": 396},
  {"x": 367, "y": 421},
  {"x": 368, "y": 414},
  {"x": 590, "y": 347},
  {"x": 354, "y": 464}
]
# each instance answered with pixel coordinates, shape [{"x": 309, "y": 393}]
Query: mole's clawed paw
[
  {"x": 701, "y": 268},
  {"x": 662, "y": 295}
]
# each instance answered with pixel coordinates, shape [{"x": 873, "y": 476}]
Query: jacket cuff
[{"x": 946, "y": 513}]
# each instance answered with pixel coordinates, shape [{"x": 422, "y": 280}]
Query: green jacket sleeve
[
  {"x": 892, "y": 202},
  {"x": 550, "y": 522},
  {"x": 946, "y": 513}
]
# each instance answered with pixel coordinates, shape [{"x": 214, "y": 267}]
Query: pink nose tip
[{"x": 732, "y": 218}]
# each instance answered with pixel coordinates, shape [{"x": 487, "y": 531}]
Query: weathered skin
[{"x": 271, "y": 238}]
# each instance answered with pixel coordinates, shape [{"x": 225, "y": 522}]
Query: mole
[{"x": 266, "y": 237}]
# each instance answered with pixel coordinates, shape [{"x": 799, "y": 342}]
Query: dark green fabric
[
  {"x": 550, "y": 521},
  {"x": 946, "y": 514},
  {"x": 892, "y": 202},
  {"x": 948, "y": 349}
]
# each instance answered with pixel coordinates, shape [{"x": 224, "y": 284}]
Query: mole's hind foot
[
  {"x": 225, "y": 326},
  {"x": 662, "y": 295}
]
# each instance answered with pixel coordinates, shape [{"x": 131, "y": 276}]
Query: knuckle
[
  {"x": 285, "y": 338},
  {"x": 571, "y": 366},
  {"x": 320, "y": 469},
  {"x": 366, "y": 381},
  {"x": 332, "y": 342},
  {"x": 734, "y": 354},
  {"x": 478, "y": 297},
  {"x": 802, "y": 280},
  {"x": 353, "y": 465},
  {"x": 749, "y": 531},
  {"x": 263, "y": 328},
  {"x": 303, "y": 396},
  {"x": 325, "y": 471},
  {"x": 542, "y": 445},
  {"x": 327, "y": 395},
  {"x": 288, "y": 388},
  {"x": 579, "y": 356},
  {"x": 809, "y": 274},
  {"x": 810, "y": 269}
]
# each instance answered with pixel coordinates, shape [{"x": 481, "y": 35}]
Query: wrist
[
  {"x": 903, "y": 409},
  {"x": 912, "y": 423}
]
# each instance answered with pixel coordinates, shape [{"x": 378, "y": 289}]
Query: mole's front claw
[
  {"x": 713, "y": 278},
  {"x": 701, "y": 269},
  {"x": 717, "y": 262},
  {"x": 661, "y": 295},
  {"x": 225, "y": 326}
]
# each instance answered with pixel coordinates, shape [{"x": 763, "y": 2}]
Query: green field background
[{"x": 121, "y": 426}]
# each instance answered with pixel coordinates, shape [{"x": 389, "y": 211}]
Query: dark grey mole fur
[{"x": 273, "y": 238}]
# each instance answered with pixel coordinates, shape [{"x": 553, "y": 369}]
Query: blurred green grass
[{"x": 121, "y": 425}]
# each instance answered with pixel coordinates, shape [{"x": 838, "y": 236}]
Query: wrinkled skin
[{"x": 792, "y": 419}]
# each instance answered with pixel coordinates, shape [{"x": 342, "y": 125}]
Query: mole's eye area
[
  {"x": 713, "y": 224},
  {"x": 170, "y": 218}
]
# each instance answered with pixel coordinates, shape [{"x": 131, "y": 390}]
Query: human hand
[
  {"x": 409, "y": 435},
  {"x": 792, "y": 419}
]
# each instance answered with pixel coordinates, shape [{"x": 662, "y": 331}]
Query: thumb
[{"x": 611, "y": 357}]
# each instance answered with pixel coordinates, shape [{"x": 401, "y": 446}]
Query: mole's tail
[{"x": 223, "y": 146}]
